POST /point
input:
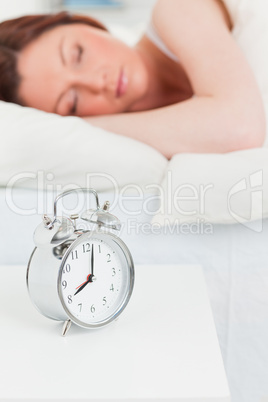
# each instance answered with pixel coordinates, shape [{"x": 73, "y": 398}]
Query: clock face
[{"x": 96, "y": 279}]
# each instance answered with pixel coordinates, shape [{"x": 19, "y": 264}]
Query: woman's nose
[{"x": 94, "y": 81}]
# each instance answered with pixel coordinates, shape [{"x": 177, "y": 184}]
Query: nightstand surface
[{"x": 163, "y": 347}]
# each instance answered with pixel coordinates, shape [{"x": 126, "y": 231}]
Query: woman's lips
[{"x": 122, "y": 84}]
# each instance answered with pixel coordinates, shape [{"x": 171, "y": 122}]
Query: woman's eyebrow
[{"x": 64, "y": 63}]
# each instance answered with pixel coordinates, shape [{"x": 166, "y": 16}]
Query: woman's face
[{"x": 80, "y": 70}]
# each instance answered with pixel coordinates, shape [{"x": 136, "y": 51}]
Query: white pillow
[
  {"x": 39, "y": 149},
  {"x": 215, "y": 188}
]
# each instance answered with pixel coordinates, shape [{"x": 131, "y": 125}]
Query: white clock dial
[{"x": 95, "y": 280}]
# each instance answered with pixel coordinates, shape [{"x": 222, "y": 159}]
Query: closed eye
[
  {"x": 80, "y": 51},
  {"x": 74, "y": 107}
]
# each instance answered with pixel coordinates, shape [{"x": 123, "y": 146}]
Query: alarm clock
[{"x": 82, "y": 276}]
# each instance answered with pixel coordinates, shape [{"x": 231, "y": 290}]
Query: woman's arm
[{"x": 227, "y": 112}]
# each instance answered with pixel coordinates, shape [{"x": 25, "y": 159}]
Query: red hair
[{"x": 17, "y": 33}]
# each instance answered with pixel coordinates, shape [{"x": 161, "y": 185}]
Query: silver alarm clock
[{"x": 84, "y": 276}]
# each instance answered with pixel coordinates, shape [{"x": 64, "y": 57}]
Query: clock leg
[{"x": 66, "y": 327}]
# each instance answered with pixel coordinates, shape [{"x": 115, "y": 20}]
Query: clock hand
[
  {"x": 92, "y": 260},
  {"x": 84, "y": 282},
  {"x": 81, "y": 287}
]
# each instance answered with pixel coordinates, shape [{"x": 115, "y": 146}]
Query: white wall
[
  {"x": 127, "y": 22},
  {"x": 16, "y": 8},
  {"x": 132, "y": 12}
]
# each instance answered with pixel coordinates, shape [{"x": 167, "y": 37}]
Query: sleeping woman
[{"x": 184, "y": 87}]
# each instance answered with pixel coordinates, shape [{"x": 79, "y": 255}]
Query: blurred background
[{"x": 125, "y": 18}]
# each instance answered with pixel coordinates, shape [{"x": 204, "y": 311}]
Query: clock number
[
  {"x": 114, "y": 272},
  {"x": 92, "y": 309},
  {"x": 99, "y": 248},
  {"x": 104, "y": 301},
  {"x": 70, "y": 300},
  {"x": 86, "y": 248},
  {"x": 64, "y": 284},
  {"x": 80, "y": 305},
  {"x": 108, "y": 257},
  {"x": 74, "y": 255},
  {"x": 67, "y": 269},
  {"x": 112, "y": 288}
]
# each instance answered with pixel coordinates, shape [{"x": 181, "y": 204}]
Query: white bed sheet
[{"x": 235, "y": 263}]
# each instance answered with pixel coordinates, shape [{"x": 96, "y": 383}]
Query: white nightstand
[{"x": 164, "y": 346}]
